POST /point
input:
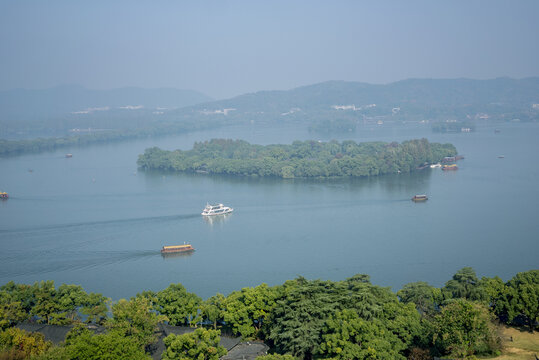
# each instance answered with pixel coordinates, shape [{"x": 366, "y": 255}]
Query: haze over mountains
[
  {"x": 413, "y": 99},
  {"x": 23, "y": 104},
  {"x": 420, "y": 92},
  {"x": 67, "y": 107}
]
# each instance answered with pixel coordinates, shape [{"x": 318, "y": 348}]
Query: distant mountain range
[
  {"x": 334, "y": 104},
  {"x": 412, "y": 93},
  {"x": 32, "y": 105}
]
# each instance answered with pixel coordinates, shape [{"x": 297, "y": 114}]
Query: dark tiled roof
[
  {"x": 176, "y": 330},
  {"x": 55, "y": 333},
  {"x": 229, "y": 342},
  {"x": 249, "y": 350},
  {"x": 236, "y": 349}
]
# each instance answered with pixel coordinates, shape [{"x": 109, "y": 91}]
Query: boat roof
[{"x": 177, "y": 246}]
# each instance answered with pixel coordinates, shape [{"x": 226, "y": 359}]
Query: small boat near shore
[
  {"x": 175, "y": 249},
  {"x": 434, "y": 166},
  {"x": 450, "y": 167},
  {"x": 218, "y": 209},
  {"x": 418, "y": 198}
]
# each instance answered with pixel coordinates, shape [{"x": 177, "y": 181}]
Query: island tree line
[
  {"x": 300, "y": 319},
  {"x": 301, "y": 159}
]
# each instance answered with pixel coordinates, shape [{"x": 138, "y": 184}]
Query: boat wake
[
  {"x": 24, "y": 263},
  {"x": 75, "y": 226}
]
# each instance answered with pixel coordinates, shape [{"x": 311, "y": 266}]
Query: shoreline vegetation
[
  {"x": 301, "y": 159},
  {"x": 300, "y": 319},
  {"x": 25, "y": 146}
]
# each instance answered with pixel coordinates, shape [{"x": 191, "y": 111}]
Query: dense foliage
[
  {"x": 463, "y": 329},
  {"x": 83, "y": 344},
  {"x": 298, "y": 319},
  {"x": 201, "y": 344},
  {"x": 135, "y": 319},
  {"x": 179, "y": 306},
  {"x": 20, "y": 344},
  {"x": 300, "y": 159},
  {"x": 45, "y": 304}
]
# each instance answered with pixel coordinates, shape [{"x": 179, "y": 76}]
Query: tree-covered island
[{"x": 301, "y": 159}]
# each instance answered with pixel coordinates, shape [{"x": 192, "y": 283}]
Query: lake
[{"x": 95, "y": 220}]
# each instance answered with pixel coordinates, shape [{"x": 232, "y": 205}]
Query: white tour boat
[{"x": 218, "y": 209}]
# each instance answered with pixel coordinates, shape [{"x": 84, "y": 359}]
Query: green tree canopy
[
  {"x": 464, "y": 285},
  {"x": 347, "y": 336},
  {"x": 82, "y": 344},
  {"x": 213, "y": 309},
  {"x": 62, "y": 306},
  {"x": 464, "y": 329},
  {"x": 20, "y": 344},
  {"x": 522, "y": 297},
  {"x": 135, "y": 319},
  {"x": 425, "y": 297},
  {"x": 300, "y": 314},
  {"x": 178, "y": 305},
  {"x": 246, "y": 310},
  {"x": 201, "y": 344},
  {"x": 300, "y": 159}
]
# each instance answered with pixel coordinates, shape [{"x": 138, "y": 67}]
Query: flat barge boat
[{"x": 175, "y": 249}]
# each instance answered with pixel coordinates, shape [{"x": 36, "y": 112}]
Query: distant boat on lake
[
  {"x": 450, "y": 167},
  {"x": 4, "y": 196},
  {"x": 434, "y": 166},
  {"x": 69, "y": 155},
  {"x": 501, "y": 156},
  {"x": 418, "y": 198},
  {"x": 218, "y": 209},
  {"x": 177, "y": 249}
]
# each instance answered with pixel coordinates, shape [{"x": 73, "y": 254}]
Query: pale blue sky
[{"x": 225, "y": 48}]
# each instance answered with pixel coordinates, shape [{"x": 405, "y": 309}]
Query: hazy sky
[{"x": 225, "y": 48}]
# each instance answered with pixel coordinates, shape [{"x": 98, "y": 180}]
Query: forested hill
[
  {"x": 300, "y": 159},
  {"x": 412, "y": 95}
]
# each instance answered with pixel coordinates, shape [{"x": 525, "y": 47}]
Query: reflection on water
[
  {"x": 176, "y": 255},
  {"x": 216, "y": 219},
  {"x": 393, "y": 183}
]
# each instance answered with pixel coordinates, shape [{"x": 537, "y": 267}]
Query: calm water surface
[{"x": 96, "y": 221}]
